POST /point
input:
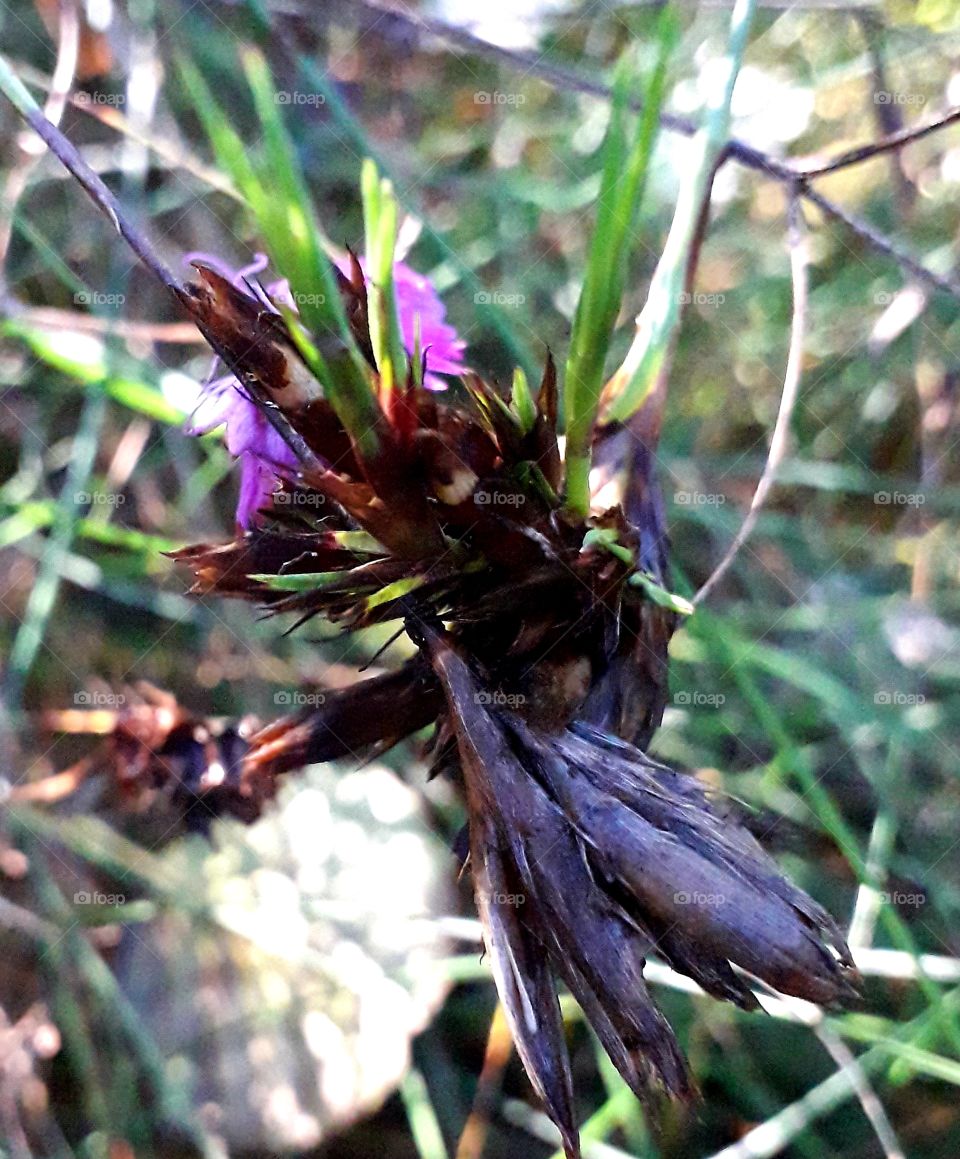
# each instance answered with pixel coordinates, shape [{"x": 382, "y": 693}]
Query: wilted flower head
[
  {"x": 537, "y": 639},
  {"x": 541, "y": 633},
  {"x": 264, "y": 455},
  {"x": 540, "y": 620},
  {"x": 587, "y": 857}
]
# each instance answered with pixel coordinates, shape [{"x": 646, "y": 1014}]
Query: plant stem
[{"x": 660, "y": 317}]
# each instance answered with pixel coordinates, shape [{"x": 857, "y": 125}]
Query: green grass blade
[
  {"x": 380, "y": 220},
  {"x": 660, "y": 317},
  {"x": 273, "y": 187},
  {"x": 625, "y": 163}
]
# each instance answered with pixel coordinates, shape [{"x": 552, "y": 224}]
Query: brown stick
[
  {"x": 473, "y": 1138},
  {"x": 888, "y": 144}
]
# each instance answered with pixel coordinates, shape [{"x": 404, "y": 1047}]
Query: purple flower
[
  {"x": 416, "y": 297},
  {"x": 262, "y": 452}
]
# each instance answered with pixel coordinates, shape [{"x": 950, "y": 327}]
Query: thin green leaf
[
  {"x": 524, "y": 406},
  {"x": 132, "y": 393},
  {"x": 395, "y": 591},
  {"x": 273, "y": 187},
  {"x": 380, "y": 219},
  {"x": 660, "y": 317},
  {"x": 660, "y": 596},
  {"x": 625, "y": 165},
  {"x": 297, "y": 583}
]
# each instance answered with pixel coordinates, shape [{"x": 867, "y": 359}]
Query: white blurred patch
[
  {"x": 78, "y": 347},
  {"x": 901, "y": 312},
  {"x": 509, "y": 23},
  {"x": 768, "y": 110},
  {"x": 920, "y": 639},
  {"x": 181, "y": 391},
  {"x": 309, "y": 955}
]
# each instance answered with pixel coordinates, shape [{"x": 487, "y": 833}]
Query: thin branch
[
  {"x": 165, "y": 148},
  {"x": 499, "y": 1050},
  {"x": 64, "y": 150},
  {"x": 882, "y": 244},
  {"x": 773, "y": 1135},
  {"x": 55, "y": 787},
  {"x": 397, "y": 24},
  {"x": 24, "y": 921},
  {"x": 393, "y": 19},
  {"x": 95, "y": 188},
  {"x": 887, "y": 115},
  {"x": 844, "y": 1057},
  {"x": 888, "y": 144},
  {"x": 32, "y": 149},
  {"x": 53, "y": 318},
  {"x": 68, "y": 48},
  {"x": 791, "y": 384},
  {"x": 869, "y": 902}
]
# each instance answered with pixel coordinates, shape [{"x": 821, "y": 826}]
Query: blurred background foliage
[{"x": 820, "y": 683}]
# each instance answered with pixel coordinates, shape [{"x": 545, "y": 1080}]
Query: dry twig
[
  {"x": 399, "y": 23},
  {"x": 788, "y": 398}
]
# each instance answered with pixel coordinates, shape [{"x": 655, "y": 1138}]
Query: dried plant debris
[
  {"x": 542, "y": 654},
  {"x": 25, "y": 1045},
  {"x": 158, "y": 756},
  {"x": 541, "y": 657},
  {"x": 540, "y": 615}
]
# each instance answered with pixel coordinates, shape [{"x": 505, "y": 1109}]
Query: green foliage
[
  {"x": 380, "y": 226},
  {"x": 822, "y": 678},
  {"x": 657, "y": 324},
  {"x": 273, "y": 186},
  {"x": 626, "y": 159}
]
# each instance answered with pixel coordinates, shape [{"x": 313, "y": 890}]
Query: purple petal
[
  {"x": 262, "y": 452},
  {"x": 417, "y": 297},
  {"x": 257, "y": 482},
  {"x": 215, "y": 406}
]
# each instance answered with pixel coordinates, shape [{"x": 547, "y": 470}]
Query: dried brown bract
[{"x": 542, "y": 657}]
